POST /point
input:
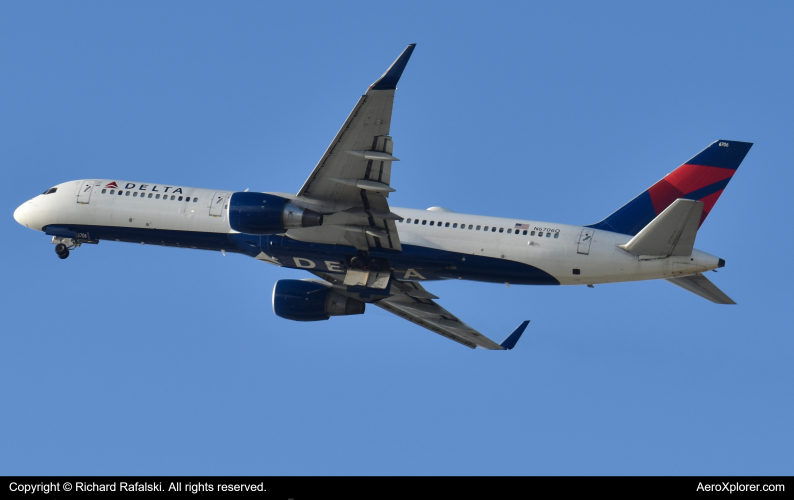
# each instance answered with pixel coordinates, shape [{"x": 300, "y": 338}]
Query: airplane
[{"x": 340, "y": 227}]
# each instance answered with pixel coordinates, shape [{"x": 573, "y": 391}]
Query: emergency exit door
[
  {"x": 218, "y": 202},
  {"x": 584, "y": 241},
  {"x": 85, "y": 192}
]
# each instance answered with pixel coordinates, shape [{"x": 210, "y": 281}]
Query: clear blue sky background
[{"x": 126, "y": 359}]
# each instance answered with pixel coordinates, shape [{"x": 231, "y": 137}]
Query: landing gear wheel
[
  {"x": 64, "y": 254},
  {"x": 60, "y": 248},
  {"x": 357, "y": 262}
]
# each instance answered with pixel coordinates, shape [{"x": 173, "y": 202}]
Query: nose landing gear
[
  {"x": 62, "y": 250},
  {"x": 64, "y": 245}
]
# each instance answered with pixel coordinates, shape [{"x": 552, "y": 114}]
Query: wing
[
  {"x": 428, "y": 314},
  {"x": 409, "y": 300},
  {"x": 354, "y": 174}
]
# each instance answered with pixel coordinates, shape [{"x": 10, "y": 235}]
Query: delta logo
[{"x": 112, "y": 185}]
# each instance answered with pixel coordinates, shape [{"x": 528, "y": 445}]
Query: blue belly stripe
[{"x": 414, "y": 262}]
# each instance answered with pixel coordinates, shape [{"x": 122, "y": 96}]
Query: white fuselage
[{"x": 571, "y": 254}]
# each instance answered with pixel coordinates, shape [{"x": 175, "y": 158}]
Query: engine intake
[
  {"x": 311, "y": 301},
  {"x": 261, "y": 213}
]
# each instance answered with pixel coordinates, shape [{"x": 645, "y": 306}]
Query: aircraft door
[
  {"x": 218, "y": 202},
  {"x": 584, "y": 241},
  {"x": 85, "y": 192}
]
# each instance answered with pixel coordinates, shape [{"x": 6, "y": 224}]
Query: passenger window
[
  {"x": 525, "y": 232},
  {"x": 112, "y": 191},
  {"x": 157, "y": 197},
  {"x": 454, "y": 225},
  {"x": 416, "y": 221},
  {"x": 431, "y": 222},
  {"x": 447, "y": 224},
  {"x": 150, "y": 195},
  {"x": 532, "y": 233},
  {"x": 556, "y": 235},
  {"x": 180, "y": 199},
  {"x": 540, "y": 234},
  {"x": 172, "y": 197},
  {"x": 128, "y": 193},
  {"x": 424, "y": 222},
  {"x": 509, "y": 231},
  {"x": 478, "y": 228},
  {"x": 135, "y": 194},
  {"x": 187, "y": 199},
  {"x": 501, "y": 229},
  {"x": 103, "y": 191},
  {"x": 195, "y": 200},
  {"x": 470, "y": 226},
  {"x": 493, "y": 229},
  {"x": 408, "y": 221},
  {"x": 484, "y": 229},
  {"x": 548, "y": 235}
]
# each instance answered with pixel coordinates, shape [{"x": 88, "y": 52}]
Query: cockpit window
[{"x": 50, "y": 191}]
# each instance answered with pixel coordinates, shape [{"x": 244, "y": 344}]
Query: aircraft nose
[{"x": 19, "y": 214}]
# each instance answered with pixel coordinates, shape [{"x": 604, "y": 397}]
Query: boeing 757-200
[{"x": 341, "y": 228}]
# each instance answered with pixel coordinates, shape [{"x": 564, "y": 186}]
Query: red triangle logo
[{"x": 112, "y": 185}]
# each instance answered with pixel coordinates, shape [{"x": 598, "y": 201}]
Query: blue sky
[{"x": 125, "y": 359}]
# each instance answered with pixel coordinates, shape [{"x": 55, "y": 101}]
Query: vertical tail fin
[{"x": 702, "y": 178}]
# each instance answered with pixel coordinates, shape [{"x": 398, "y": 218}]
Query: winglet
[
  {"x": 392, "y": 75},
  {"x": 512, "y": 339}
]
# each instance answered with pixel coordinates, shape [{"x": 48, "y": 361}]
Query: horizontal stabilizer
[
  {"x": 700, "y": 285},
  {"x": 672, "y": 232}
]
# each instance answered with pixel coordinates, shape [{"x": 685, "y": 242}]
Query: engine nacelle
[
  {"x": 311, "y": 301},
  {"x": 261, "y": 213}
]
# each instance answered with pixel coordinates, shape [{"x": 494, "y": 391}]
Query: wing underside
[
  {"x": 700, "y": 285},
  {"x": 428, "y": 314},
  {"x": 354, "y": 174},
  {"x": 410, "y": 301}
]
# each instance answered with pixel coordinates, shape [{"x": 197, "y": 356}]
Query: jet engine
[
  {"x": 261, "y": 213},
  {"x": 300, "y": 300}
]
